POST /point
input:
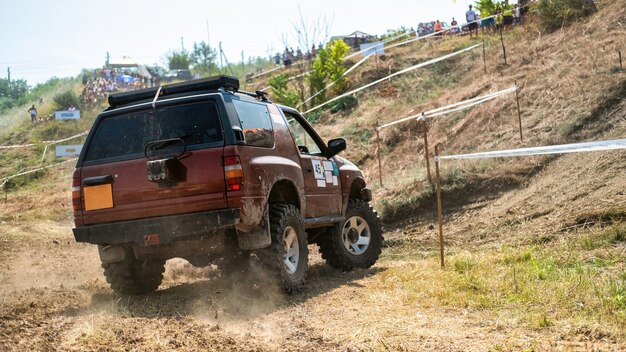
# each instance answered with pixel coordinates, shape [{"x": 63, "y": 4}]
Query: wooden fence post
[
  {"x": 380, "y": 167},
  {"x": 426, "y": 154},
  {"x": 519, "y": 113},
  {"x": 484, "y": 57},
  {"x": 439, "y": 211},
  {"x": 503, "y": 47}
]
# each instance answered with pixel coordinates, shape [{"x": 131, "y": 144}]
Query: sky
[{"x": 40, "y": 39}]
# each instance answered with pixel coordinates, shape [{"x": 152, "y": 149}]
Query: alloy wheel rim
[{"x": 356, "y": 235}]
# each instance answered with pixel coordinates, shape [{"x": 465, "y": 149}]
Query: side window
[
  {"x": 255, "y": 123},
  {"x": 304, "y": 141}
]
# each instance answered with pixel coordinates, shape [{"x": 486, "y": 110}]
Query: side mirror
[{"x": 336, "y": 146}]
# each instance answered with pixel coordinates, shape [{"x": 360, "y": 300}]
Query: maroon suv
[{"x": 199, "y": 169}]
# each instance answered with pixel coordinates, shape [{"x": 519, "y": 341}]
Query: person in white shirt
[{"x": 470, "y": 16}]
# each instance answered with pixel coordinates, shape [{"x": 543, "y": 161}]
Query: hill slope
[{"x": 535, "y": 247}]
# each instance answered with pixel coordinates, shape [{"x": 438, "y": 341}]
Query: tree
[
  {"x": 178, "y": 60},
  {"x": 280, "y": 91},
  {"x": 328, "y": 68},
  {"x": 203, "y": 58},
  {"x": 486, "y": 6},
  {"x": 15, "y": 89}
]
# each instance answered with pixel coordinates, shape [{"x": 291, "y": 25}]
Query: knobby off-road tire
[
  {"x": 357, "y": 241},
  {"x": 134, "y": 277},
  {"x": 288, "y": 255}
]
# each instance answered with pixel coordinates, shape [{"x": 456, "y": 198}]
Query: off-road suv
[{"x": 201, "y": 170}]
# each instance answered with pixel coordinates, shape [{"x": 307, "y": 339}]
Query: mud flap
[
  {"x": 111, "y": 254},
  {"x": 255, "y": 238}
]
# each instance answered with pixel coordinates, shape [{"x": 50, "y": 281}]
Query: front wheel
[{"x": 357, "y": 241}]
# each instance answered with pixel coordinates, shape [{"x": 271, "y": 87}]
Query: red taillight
[
  {"x": 77, "y": 204},
  {"x": 233, "y": 173}
]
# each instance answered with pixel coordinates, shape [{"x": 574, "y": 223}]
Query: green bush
[
  {"x": 65, "y": 100},
  {"x": 554, "y": 14},
  {"x": 281, "y": 92}
]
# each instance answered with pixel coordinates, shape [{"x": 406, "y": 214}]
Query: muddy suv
[{"x": 203, "y": 171}]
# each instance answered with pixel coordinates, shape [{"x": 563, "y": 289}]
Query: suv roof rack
[
  {"x": 211, "y": 83},
  {"x": 259, "y": 95}
]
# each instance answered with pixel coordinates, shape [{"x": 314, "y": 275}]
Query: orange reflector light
[{"x": 233, "y": 173}]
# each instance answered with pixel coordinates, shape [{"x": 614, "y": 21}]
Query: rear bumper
[{"x": 159, "y": 230}]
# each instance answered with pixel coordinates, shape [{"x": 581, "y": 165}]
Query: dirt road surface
[{"x": 54, "y": 297}]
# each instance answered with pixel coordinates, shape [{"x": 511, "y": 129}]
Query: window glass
[
  {"x": 255, "y": 123},
  {"x": 127, "y": 135},
  {"x": 306, "y": 144}
]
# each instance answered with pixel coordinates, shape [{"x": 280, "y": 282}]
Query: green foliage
[
  {"x": 345, "y": 103},
  {"x": 65, "y": 100},
  {"x": 554, "y": 14},
  {"x": 327, "y": 68},
  {"x": 281, "y": 92},
  {"x": 178, "y": 60},
  {"x": 486, "y": 7},
  {"x": 15, "y": 89},
  {"x": 12, "y": 93},
  {"x": 203, "y": 59}
]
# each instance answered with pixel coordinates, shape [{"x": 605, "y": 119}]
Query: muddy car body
[{"x": 199, "y": 169}]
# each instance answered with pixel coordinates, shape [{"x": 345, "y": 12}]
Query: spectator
[
  {"x": 438, "y": 28},
  {"x": 507, "y": 13},
  {"x": 517, "y": 15},
  {"x": 499, "y": 20},
  {"x": 33, "y": 114},
  {"x": 454, "y": 26},
  {"x": 488, "y": 22},
  {"x": 470, "y": 16}
]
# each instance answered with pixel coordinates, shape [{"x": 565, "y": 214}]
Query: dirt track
[{"x": 54, "y": 297}]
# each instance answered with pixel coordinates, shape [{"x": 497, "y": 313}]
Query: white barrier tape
[
  {"x": 616, "y": 144},
  {"x": 452, "y": 107},
  {"x": 333, "y": 83},
  {"x": 66, "y": 139},
  {"x": 16, "y": 146},
  {"x": 468, "y": 101},
  {"x": 266, "y": 72},
  {"x": 376, "y": 46},
  {"x": 427, "y": 63},
  {"x": 6, "y": 179}
]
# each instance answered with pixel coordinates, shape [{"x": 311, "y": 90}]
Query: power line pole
[
  {"x": 9, "y": 74},
  {"x": 182, "y": 44},
  {"x": 221, "y": 58},
  {"x": 243, "y": 65}
]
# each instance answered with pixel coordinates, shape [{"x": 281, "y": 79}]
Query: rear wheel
[
  {"x": 134, "y": 277},
  {"x": 357, "y": 241},
  {"x": 288, "y": 254}
]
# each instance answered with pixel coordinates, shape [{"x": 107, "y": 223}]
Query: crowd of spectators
[
  {"x": 289, "y": 56},
  {"x": 98, "y": 85}
]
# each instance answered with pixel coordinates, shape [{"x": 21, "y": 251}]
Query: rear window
[
  {"x": 255, "y": 123},
  {"x": 124, "y": 137}
]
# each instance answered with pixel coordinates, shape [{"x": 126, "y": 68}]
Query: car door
[{"x": 321, "y": 175}]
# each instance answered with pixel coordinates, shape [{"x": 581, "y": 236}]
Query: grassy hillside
[{"x": 535, "y": 247}]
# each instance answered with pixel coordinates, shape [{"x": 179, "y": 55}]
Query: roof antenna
[{"x": 156, "y": 96}]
